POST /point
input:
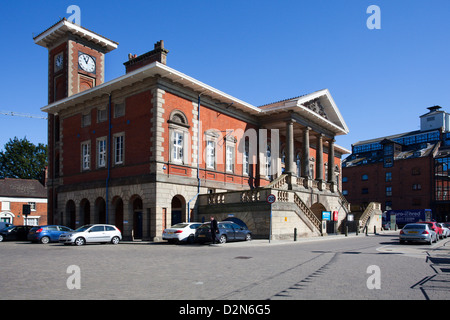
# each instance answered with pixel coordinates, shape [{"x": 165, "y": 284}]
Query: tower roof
[{"x": 52, "y": 35}]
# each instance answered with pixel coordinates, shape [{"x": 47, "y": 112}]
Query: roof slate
[{"x": 22, "y": 188}]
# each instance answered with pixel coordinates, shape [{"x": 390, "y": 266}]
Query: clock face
[
  {"x": 86, "y": 62},
  {"x": 59, "y": 60}
]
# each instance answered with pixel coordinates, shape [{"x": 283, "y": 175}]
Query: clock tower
[
  {"x": 76, "y": 62},
  {"x": 76, "y": 58}
]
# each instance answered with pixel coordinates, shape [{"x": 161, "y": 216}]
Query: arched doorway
[
  {"x": 100, "y": 210},
  {"x": 85, "y": 212},
  {"x": 178, "y": 209},
  {"x": 137, "y": 218},
  {"x": 118, "y": 213},
  {"x": 317, "y": 209},
  {"x": 237, "y": 221},
  {"x": 70, "y": 215}
]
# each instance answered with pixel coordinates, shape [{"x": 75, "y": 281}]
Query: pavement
[{"x": 266, "y": 242}]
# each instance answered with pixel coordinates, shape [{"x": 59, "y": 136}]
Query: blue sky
[{"x": 258, "y": 51}]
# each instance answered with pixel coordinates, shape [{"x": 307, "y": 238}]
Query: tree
[{"x": 21, "y": 159}]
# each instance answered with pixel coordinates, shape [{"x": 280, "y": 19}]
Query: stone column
[
  {"x": 331, "y": 176},
  {"x": 319, "y": 156},
  {"x": 305, "y": 154},
  {"x": 289, "y": 160}
]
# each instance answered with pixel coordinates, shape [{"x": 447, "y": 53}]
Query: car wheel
[
  {"x": 80, "y": 241},
  {"x": 248, "y": 237},
  {"x": 45, "y": 240},
  {"x": 223, "y": 239},
  {"x": 115, "y": 240},
  {"x": 1, "y": 238}
]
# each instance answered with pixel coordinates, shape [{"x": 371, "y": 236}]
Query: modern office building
[{"x": 404, "y": 171}]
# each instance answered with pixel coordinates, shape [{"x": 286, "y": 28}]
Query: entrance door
[
  {"x": 178, "y": 208},
  {"x": 176, "y": 216},
  {"x": 137, "y": 225}
]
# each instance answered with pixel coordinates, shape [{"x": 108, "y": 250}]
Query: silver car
[
  {"x": 419, "y": 232},
  {"x": 91, "y": 233},
  {"x": 445, "y": 230}
]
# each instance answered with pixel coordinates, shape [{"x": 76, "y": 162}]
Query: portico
[{"x": 309, "y": 124}]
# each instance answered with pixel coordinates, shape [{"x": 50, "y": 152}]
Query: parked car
[
  {"x": 90, "y": 233},
  {"x": 4, "y": 225},
  {"x": 181, "y": 232},
  {"x": 420, "y": 232},
  {"x": 15, "y": 233},
  {"x": 228, "y": 231},
  {"x": 445, "y": 230},
  {"x": 46, "y": 234},
  {"x": 435, "y": 227}
]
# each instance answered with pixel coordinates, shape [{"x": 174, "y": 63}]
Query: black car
[
  {"x": 15, "y": 233},
  {"x": 228, "y": 231}
]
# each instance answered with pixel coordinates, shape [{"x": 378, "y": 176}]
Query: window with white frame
[
  {"x": 102, "y": 115},
  {"x": 119, "y": 145},
  {"x": 211, "y": 154},
  {"x": 85, "y": 120},
  {"x": 212, "y": 139},
  {"x": 268, "y": 161},
  {"x": 101, "y": 152},
  {"x": 177, "y": 146},
  {"x": 246, "y": 158},
  {"x": 230, "y": 158},
  {"x": 179, "y": 137},
  {"x": 86, "y": 155}
]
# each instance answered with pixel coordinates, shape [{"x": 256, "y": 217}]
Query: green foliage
[{"x": 21, "y": 159}]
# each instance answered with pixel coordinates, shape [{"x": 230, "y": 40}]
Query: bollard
[
  {"x": 367, "y": 230},
  {"x": 346, "y": 231},
  {"x": 374, "y": 229},
  {"x": 295, "y": 234}
]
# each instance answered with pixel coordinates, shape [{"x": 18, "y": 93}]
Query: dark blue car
[{"x": 46, "y": 234}]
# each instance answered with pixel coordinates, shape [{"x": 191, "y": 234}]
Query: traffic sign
[{"x": 271, "y": 198}]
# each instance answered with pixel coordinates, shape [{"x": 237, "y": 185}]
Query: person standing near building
[{"x": 214, "y": 229}]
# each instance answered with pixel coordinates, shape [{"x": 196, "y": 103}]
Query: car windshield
[
  {"x": 9, "y": 228},
  {"x": 204, "y": 226},
  {"x": 414, "y": 226},
  {"x": 83, "y": 228},
  {"x": 179, "y": 226}
]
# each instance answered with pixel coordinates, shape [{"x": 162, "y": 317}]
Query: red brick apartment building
[
  {"x": 405, "y": 171},
  {"x": 14, "y": 193},
  {"x": 156, "y": 146}
]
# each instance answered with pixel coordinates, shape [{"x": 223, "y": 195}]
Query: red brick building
[
  {"x": 14, "y": 193},
  {"x": 405, "y": 171},
  {"x": 139, "y": 151}
]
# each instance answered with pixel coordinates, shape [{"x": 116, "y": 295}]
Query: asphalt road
[{"x": 355, "y": 267}]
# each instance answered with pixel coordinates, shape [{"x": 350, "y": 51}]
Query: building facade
[
  {"x": 405, "y": 171},
  {"x": 15, "y": 193},
  {"x": 141, "y": 151}
]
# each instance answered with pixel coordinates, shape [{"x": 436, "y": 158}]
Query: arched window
[{"x": 179, "y": 137}]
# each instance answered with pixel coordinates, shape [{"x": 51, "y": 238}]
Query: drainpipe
[
  {"x": 109, "y": 159},
  {"x": 198, "y": 159}
]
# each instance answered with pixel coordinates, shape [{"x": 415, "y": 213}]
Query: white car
[
  {"x": 181, "y": 232},
  {"x": 91, "y": 233}
]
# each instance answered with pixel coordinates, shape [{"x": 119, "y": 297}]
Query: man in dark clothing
[{"x": 214, "y": 229}]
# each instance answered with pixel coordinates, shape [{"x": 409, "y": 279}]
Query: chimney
[{"x": 159, "y": 53}]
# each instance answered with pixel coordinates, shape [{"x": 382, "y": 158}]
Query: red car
[{"x": 436, "y": 228}]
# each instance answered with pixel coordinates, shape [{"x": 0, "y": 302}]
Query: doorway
[{"x": 178, "y": 208}]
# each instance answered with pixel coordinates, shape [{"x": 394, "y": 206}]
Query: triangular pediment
[{"x": 318, "y": 107}]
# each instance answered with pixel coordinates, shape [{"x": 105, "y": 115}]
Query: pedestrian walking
[{"x": 214, "y": 230}]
